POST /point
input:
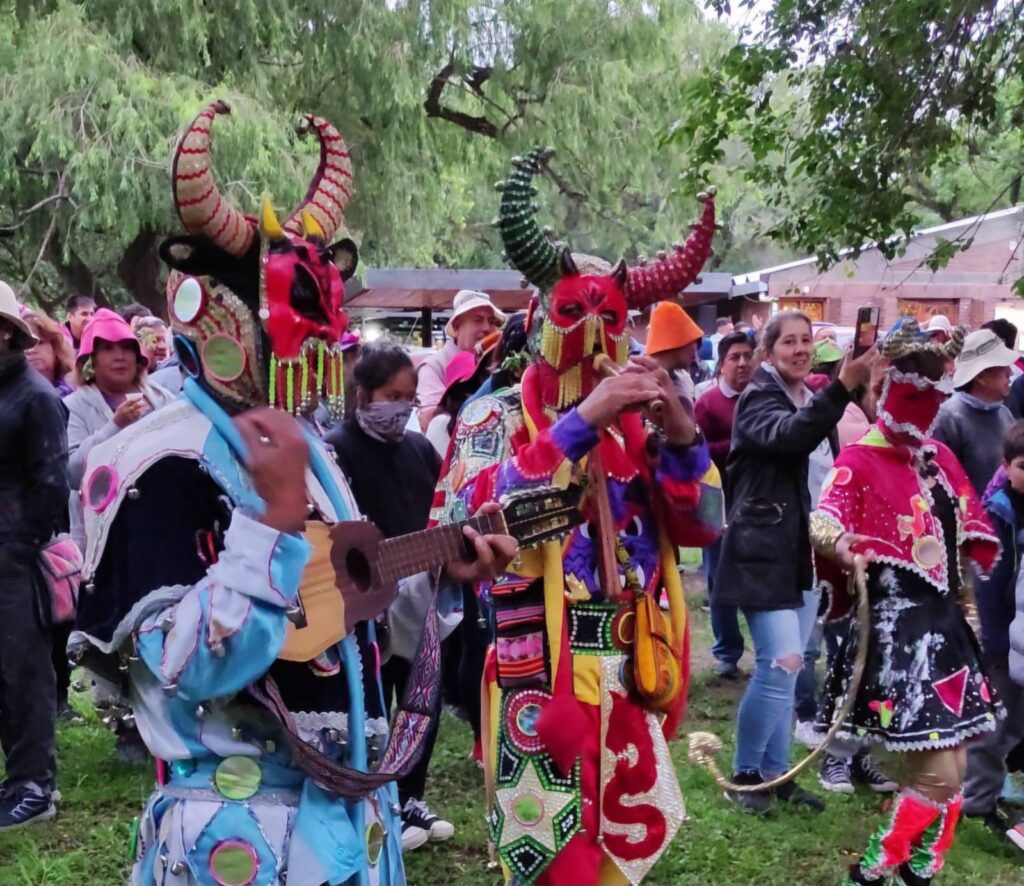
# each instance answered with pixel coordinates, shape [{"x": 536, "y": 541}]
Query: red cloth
[{"x": 876, "y": 491}]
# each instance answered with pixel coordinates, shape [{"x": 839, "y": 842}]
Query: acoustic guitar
[{"x": 353, "y": 573}]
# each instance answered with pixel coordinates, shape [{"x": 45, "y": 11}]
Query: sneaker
[
  {"x": 834, "y": 775},
  {"x": 864, "y": 770},
  {"x": 705, "y": 604},
  {"x": 22, "y": 806},
  {"x": 417, "y": 815},
  {"x": 794, "y": 795},
  {"x": 806, "y": 734},
  {"x": 727, "y": 670},
  {"x": 477, "y": 754},
  {"x": 1016, "y": 834},
  {"x": 1013, "y": 789},
  {"x": 754, "y": 802}
]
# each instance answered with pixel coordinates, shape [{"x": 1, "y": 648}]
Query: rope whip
[{"x": 704, "y": 745}]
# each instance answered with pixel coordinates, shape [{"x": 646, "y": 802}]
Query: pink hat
[
  {"x": 349, "y": 340},
  {"x": 461, "y": 368},
  {"x": 110, "y": 327}
]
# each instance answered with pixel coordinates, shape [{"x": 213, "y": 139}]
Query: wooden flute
[{"x": 606, "y": 367}]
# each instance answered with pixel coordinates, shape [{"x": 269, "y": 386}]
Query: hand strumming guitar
[
  {"x": 493, "y": 553},
  {"x": 277, "y": 458}
]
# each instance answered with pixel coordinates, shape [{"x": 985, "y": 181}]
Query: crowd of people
[{"x": 208, "y": 477}]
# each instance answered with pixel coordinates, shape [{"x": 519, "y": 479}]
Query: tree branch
[{"x": 434, "y": 108}]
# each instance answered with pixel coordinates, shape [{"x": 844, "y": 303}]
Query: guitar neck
[{"x": 430, "y": 549}]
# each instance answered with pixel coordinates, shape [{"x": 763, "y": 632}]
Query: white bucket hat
[
  {"x": 467, "y": 300},
  {"x": 939, "y": 323},
  {"x": 9, "y": 312},
  {"x": 982, "y": 350}
]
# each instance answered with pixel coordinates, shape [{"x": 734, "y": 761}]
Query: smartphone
[
  {"x": 133, "y": 396},
  {"x": 866, "y": 333}
]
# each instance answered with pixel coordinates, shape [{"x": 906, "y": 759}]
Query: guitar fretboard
[{"x": 430, "y": 549}]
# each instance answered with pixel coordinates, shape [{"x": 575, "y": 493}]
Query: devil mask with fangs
[
  {"x": 583, "y": 303},
  {"x": 256, "y": 306}
]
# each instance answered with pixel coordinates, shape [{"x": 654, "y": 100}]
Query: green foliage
[
  {"x": 864, "y": 119},
  {"x": 433, "y": 98}
]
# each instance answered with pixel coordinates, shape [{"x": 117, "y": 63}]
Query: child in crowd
[{"x": 1000, "y": 603}]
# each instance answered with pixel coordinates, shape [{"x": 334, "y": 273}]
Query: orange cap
[{"x": 671, "y": 327}]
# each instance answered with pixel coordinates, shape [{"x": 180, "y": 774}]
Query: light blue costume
[{"x": 234, "y": 808}]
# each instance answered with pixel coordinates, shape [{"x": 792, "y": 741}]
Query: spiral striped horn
[
  {"x": 527, "y": 248},
  {"x": 201, "y": 207},
  {"x": 672, "y": 273},
  {"x": 331, "y": 187}
]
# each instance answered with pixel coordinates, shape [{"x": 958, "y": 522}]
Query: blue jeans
[
  {"x": 806, "y": 697},
  {"x": 764, "y": 721},
  {"x": 725, "y": 620}
]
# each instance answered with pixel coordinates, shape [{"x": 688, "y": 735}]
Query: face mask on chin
[{"x": 385, "y": 420}]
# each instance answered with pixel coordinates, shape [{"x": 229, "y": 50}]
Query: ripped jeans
[{"x": 764, "y": 722}]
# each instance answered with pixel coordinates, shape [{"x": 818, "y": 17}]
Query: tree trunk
[
  {"x": 74, "y": 273},
  {"x": 139, "y": 270}
]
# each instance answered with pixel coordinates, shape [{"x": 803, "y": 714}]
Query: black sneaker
[
  {"x": 755, "y": 802},
  {"x": 794, "y": 795},
  {"x": 417, "y": 819},
  {"x": 834, "y": 775},
  {"x": 22, "y": 806},
  {"x": 864, "y": 770}
]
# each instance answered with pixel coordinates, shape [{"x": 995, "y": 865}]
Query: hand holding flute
[{"x": 643, "y": 383}]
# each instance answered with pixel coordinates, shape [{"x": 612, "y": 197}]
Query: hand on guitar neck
[
  {"x": 493, "y": 553},
  {"x": 276, "y": 456}
]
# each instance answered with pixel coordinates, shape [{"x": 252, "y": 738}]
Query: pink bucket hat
[
  {"x": 111, "y": 327},
  {"x": 459, "y": 369}
]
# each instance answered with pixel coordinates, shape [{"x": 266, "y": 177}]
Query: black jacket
[
  {"x": 393, "y": 483},
  {"x": 33, "y": 465},
  {"x": 766, "y": 554}
]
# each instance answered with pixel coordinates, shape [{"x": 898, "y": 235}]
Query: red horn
[
  {"x": 331, "y": 188},
  {"x": 200, "y": 206},
  {"x": 670, "y": 275}
]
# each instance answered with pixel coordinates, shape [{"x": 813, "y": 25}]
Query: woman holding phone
[{"x": 782, "y": 447}]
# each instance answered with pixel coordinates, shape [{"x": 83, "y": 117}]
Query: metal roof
[
  {"x": 923, "y": 232},
  {"x": 435, "y": 288}
]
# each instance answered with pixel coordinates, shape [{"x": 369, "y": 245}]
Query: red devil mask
[
  {"x": 257, "y": 306},
  {"x": 909, "y": 405}
]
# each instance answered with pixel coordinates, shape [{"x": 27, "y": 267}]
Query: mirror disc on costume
[
  {"x": 521, "y": 714},
  {"x": 234, "y": 863},
  {"x": 100, "y": 487},
  {"x": 528, "y": 809},
  {"x": 188, "y": 300},
  {"x": 928, "y": 551},
  {"x": 237, "y": 778},
  {"x": 223, "y": 357},
  {"x": 624, "y": 629},
  {"x": 374, "y": 842}
]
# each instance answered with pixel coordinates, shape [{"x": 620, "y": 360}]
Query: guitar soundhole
[{"x": 358, "y": 567}]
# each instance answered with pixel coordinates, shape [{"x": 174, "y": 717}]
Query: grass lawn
[{"x": 88, "y": 841}]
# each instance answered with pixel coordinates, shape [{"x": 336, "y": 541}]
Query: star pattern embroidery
[{"x": 542, "y": 827}]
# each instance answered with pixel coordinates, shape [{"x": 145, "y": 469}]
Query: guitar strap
[{"x": 419, "y": 706}]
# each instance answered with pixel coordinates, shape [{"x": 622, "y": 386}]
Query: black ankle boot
[
  {"x": 906, "y": 877},
  {"x": 757, "y": 802},
  {"x": 855, "y": 877}
]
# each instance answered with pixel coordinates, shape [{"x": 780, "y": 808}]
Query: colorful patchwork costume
[
  {"x": 581, "y": 788},
  {"x": 924, "y": 690},
  {"x": 194, "y": 597}
]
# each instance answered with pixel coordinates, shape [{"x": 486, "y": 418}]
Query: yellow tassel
[{"x": 551, "y": 344}]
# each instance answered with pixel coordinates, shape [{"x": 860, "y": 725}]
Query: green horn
[{"x": 529, "y": 251}]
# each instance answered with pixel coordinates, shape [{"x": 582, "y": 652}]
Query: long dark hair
[{"x": 378, "y": 362}]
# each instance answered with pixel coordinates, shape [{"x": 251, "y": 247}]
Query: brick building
[{"x": 974, "y": 287}]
